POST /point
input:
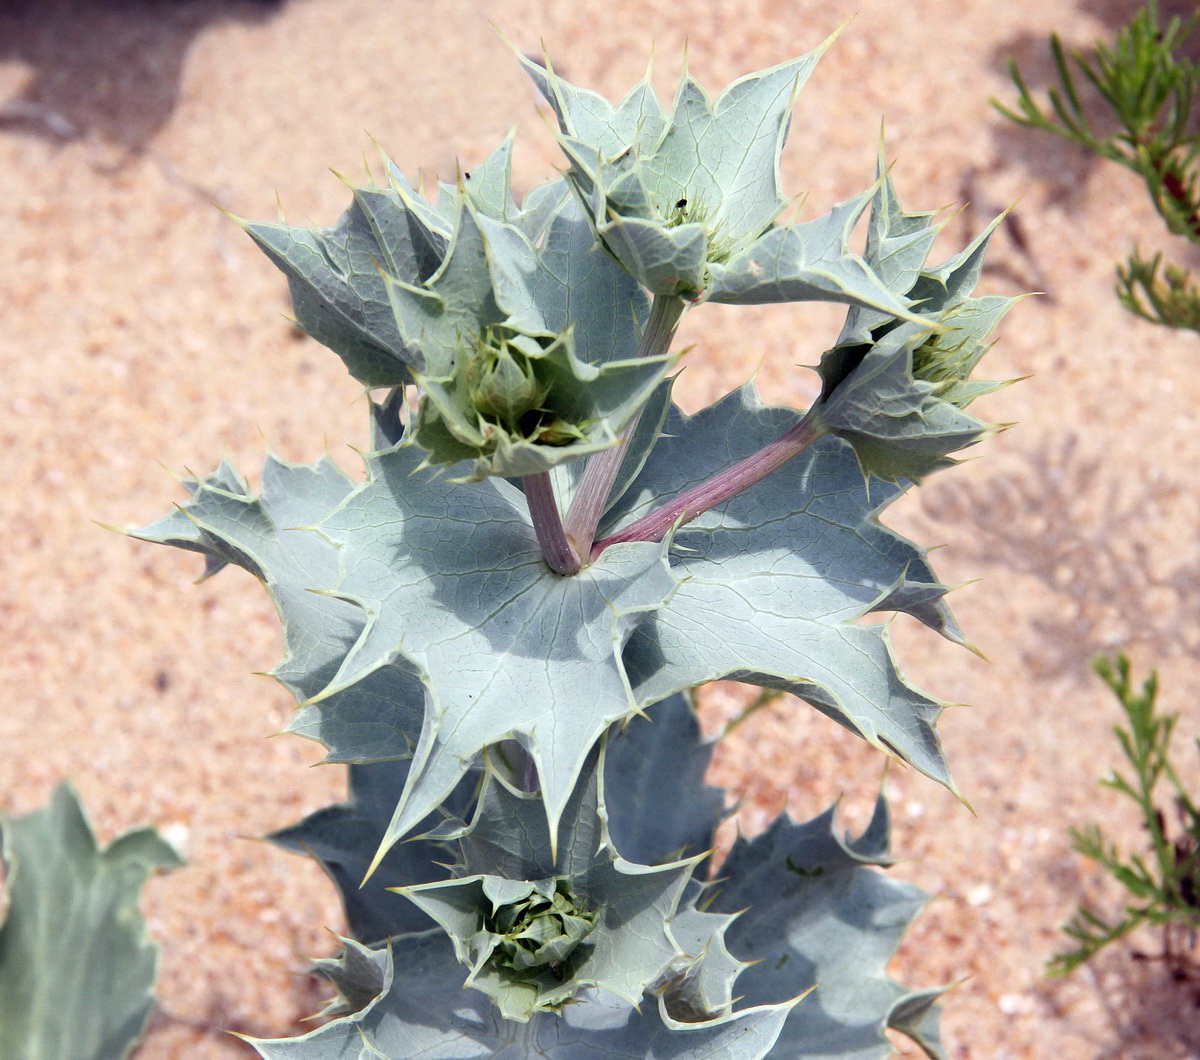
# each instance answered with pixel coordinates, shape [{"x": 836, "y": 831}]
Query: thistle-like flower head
[
  {"x": 501, "y": 382},
  {"x": 897, "y": 390},
  {"x": 511, "y": 328},
  {"x": 688, "y": 200},
  {"x": 540, "y": 930}
]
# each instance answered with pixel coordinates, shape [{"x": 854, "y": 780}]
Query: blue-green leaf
[
  {"x": 271, "y": 536},
  {"x": 423, "y": 1010},
  {"x": 775, "y": 581},
  {"x": 336, "y": 275},
  {"x": 495, "y": 639},
  {"x": 527, "y": 344},
  {"x": 804, "y": 263},
  {"x": 344, "y": 839},
  {"x": 659, "y": 761},
  {"x": 687, "y": 202},
  {"x": 897, "y": 390},
  {"x": 817, "y": 914},
  {"x": 76, "y": 967}
]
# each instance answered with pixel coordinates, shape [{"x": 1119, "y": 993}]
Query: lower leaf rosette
[
  {"x": 539, "y": 931},
  {"x": 783, "y": 954}
]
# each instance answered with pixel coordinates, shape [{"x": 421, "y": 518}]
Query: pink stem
[
  {"x": 547, "y": 524},
  {"x": 591, "y": 495},
  {"x": 718, "y": 489}
]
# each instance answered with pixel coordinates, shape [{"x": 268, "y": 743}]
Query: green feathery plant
[
  {"x": 1149, "y": 87},
  {"x": 1164, "y": 888}
]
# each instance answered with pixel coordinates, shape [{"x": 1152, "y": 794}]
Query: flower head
[
  {"x": 897, "y": 390},
  {"x": 497, "y": 362},
  {"x": 688, "y": 201}
]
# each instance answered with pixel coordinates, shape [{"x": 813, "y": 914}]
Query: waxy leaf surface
[
  {"x": 423, "y": 1011},
  {"x": 774, "y": 581},
  {"x": 659, "y": 760},
  {"x": 568, "y": 316},
  {"x": 687, "y": 201},
  {"x": 76, "y": 966},
  {"x": 344, "y": 838},
  {"x": 628, "y": 944},
  {"x": 336, "y": 275},
  {"x": 816, "y": 913},
  {"x": 815, "y": 918},
  {"x": 271, "y": 536},
  {"x": 444, "y": 582},
  {"x": 897, "y": 390}
]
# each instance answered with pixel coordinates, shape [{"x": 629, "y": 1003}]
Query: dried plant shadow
[
  {"x": 110, "y": 69},
  {"x": 1083, "y": 535},
  {"x": 1154, "y": 1012}
]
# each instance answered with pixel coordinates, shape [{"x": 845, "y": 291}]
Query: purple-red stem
[
  {"x": 547, "y": 524},
  {"x": 596, "y": 483},
  {"x": 719, "y": 488}
]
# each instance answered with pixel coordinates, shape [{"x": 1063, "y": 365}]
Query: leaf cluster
[
  {"x": 385, "y": 586},
  {"x": 1163, "y": 884},
  {"x": 1148, "y": 87}
]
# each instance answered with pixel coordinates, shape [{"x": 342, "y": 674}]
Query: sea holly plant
[
  {"x": 499, "y": 626},
  {"x": 722, "y": 967}
]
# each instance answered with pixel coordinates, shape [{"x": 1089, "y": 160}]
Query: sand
[{"x": 143, "y": 332}]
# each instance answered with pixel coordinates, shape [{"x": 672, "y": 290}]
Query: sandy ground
[{"x": 142, "y": 331}]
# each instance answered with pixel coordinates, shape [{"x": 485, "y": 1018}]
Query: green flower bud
[
  {"x": 944, "y": 357},
  {"x": 558, "y": 432},
  {"x": 540, "y": 930},
  {"x": 948, "y": 357},
  {"x": 501, "y": 383}
]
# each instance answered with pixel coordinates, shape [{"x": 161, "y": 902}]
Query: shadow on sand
[{"x": 106, "y": 69}]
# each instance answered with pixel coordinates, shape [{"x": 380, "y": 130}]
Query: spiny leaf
[
  {"x": 271, "y": 536},
  {"x": 816, "y": 913},
  {"x": 423, "y": 1010},
  {"x": 659, "y": 757},
  {"x": 805, "y": 263},
  {"x": 527, "y": 346},
  {"x": 717, "y": 163},
  {"x": 343, "y": 839},
  {"x": 336, "y": 275},
  {"x": 687, "y": 201},
  {"x": 633, "y": 930},
  {"x": 405, "y": 292},
  {"x": 898, "y": 243},
  {"x": 378, "y": 719},
  {"x": 535, "y": 930},
  {"x": 774, "y": 582},
  {"x": 660, "y": 760},
  {"x": 438, "y": 605},
  {"x": 377, "y": 584},
  {"x": 895, "y": 389}
]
